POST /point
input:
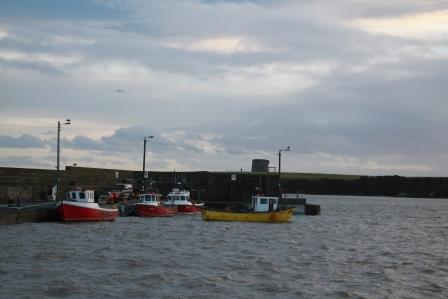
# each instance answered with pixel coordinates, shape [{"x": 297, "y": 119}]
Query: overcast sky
[{"x": 353, "y": 87}]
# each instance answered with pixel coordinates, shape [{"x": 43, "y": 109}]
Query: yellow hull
[{"x": 275, "y": 216}]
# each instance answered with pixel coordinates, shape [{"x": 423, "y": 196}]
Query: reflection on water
[{"x": 359, "y": 247}]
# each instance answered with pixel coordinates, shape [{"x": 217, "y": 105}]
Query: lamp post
[
  {"x": 145, "y": 139},
  {"x": 67, "y": 122},
  {"x": 279, "y": 169}
]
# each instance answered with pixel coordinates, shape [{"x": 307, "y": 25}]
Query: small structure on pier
[{"x": 260, "y": 165}]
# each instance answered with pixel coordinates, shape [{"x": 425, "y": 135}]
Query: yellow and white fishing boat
[{"x": 264, "y": 209}]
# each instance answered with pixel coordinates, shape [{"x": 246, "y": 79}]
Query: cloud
[
  {"x": 221, "y": 45},
  {"x": 422, "y": 25},
  {"x": 23, "y": 141},
  {"x": 25, "y": 162},
  {"x": 83, "y": 142},
  {"x": 60, "y": 40},
  {"x": 3, "y": 33},
  {"x": 43, "y": 58},
  {"x": 221, "y": 82}
]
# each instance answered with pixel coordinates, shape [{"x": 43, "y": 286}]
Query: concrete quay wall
[
  {"x": 34, "y": 184},
  {"x": 21, "y": 184},
  {"x": 28, "y": 213},
  {"x": 25, "y": 184}
]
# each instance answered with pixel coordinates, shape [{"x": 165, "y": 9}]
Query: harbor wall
[
  {"x": 35, "y": 184},
  {"x": 25, "y": 183}
]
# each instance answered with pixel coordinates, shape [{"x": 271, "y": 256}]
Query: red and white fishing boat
[
  {"x": 79, "y": 205},
  {"x": 181, "y": 200},
  {"x": 149, "y": 206}
]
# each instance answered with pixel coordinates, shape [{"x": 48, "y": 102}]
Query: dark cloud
[
  {"x": 23, "y": 141},
  {"x": 82, "y": 142},
  {"x": 359, "y": 114}
]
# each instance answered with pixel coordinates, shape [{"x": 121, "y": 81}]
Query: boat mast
[
  {"x": 279, "y": 170},
  {"x": 145, "y": 139}
]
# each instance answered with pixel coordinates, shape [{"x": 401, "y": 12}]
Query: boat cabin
[
  {"x": 264, "y": 203},
  {"x": 151, "y": 197},
  {"x": 122, "y": 188},
  {"x": 178, "y": 195},
  {"x": 80, "y": 195}
]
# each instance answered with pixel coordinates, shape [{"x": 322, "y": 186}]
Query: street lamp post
[
  {"x": 145, "y": 139},
  {"x": 67, "y": 122},
  {"x": 279, "y": 170}
]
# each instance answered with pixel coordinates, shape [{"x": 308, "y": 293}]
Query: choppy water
[{"x": 359, "y": 247}]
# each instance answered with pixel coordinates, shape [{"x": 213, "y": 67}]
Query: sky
[{"x": 352, "y": 86}]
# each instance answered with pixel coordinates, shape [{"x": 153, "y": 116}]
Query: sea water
[{"x": 359, "y": 247}]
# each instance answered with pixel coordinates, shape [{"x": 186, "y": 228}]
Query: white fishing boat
[{"x": 181, "y": 200}]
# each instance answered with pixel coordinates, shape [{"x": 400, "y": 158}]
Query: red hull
[
  {"x": 187, "y": 209},
  {"x": 155, "y": 211},
  {"x": 68, "y": 212}
]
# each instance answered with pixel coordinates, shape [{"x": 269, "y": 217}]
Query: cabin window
[
  {"x": 73, "y": 195},
  {"x": 263, "y": 201},
  {"x": 82, "y": 195},
  {"x": 275, "y": 201}
]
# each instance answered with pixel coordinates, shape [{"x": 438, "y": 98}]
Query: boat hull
[
  {"x": 188, "y": 209},
  {"x": 75, "y": 211},
  {"x": 272, "y": 217},
  {"x": 154, "y": 211}
]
